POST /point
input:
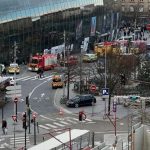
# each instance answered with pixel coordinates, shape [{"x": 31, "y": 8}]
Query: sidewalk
[{"x": 96, "y": 112}]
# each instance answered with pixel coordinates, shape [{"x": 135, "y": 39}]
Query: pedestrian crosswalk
[
  {"x": 58, "y": 123},
  {"x": 19, "y": 140},
  {"x": 34, "y": 78}
]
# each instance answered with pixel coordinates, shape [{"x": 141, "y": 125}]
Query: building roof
[{"x": 16, "y": 9}]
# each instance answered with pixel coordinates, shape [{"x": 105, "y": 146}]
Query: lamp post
[{"x": 64, "y": 61}]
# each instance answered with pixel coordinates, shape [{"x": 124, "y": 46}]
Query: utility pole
[
  {"x": 15, "y": 49},
  {"x": 68, "y": 74},
  {"x": 64, "y": 61}
]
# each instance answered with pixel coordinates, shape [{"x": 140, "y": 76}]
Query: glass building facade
[{"x": 36, "y": 25}]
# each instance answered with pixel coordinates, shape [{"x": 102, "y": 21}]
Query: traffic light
[
  {"x": 122, "y": 79},
  {"x": 27, "y": 100},
  {"x": 24, "y": 125},
  {"x": 80, "y": 116}
]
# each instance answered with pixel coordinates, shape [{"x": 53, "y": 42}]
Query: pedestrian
[
  {"x": 42, "y": 73},
  {"x": 4, "y": 72},
  {"x": 38, "y": 73},
  {"x": 4, "y": 126}
]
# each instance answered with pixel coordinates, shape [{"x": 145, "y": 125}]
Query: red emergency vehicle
[{"x": 45, "y": 62}]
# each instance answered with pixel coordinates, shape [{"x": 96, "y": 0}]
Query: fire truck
[
  {"x": 109, "y": 47},
  {"x": 45, "y": 62}
]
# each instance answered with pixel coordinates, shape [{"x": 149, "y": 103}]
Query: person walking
[{"x": 4, "y": 126}]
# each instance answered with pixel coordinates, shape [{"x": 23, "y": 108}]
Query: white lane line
[
  {"x": 58, "y": 124},
  {"x": 71, "y": 121},
  {"x": 22, "y": 78},
  {"x": 28, "y": 78},
  {"x": 47, "y": 118},
  {"x": 44, "y": 127},
  {"x": 45, "y": 78},
  {"x": 52, "y": 126},
  {"x": 63, "y": 122}
]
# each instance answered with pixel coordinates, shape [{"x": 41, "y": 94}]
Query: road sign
[
  {"x": 14, "y": 117},
  {"x": 13, "y": 92},
  {"x": 105, "y": 92},
  {"x": 12, "y": 88},
  {"x": 16, "y": 99},
  {"x": 93, "y": 88}
]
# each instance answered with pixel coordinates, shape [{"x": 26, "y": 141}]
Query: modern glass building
[{"x": 36, "y": 25}]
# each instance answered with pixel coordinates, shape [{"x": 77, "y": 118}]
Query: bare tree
[{"x": 116, "y": 64}]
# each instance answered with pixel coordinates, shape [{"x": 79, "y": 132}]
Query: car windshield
[
  {"x": 35, "y": 61},
  {"x": 13, "y": 65},
  {"x": 75, "y": 98}
]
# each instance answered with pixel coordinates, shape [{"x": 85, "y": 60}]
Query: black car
[{"x": 81, "y": 100}]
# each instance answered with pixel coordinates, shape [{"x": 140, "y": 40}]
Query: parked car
[
  {"x": 81, "y": 100},
  {"x": 89, "y": 57},
  {"x": 11, "y": 81},
  {"x": 13, "y": 68}
]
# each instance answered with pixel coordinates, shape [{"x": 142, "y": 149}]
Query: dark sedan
[{"x": 81, "y": 100}]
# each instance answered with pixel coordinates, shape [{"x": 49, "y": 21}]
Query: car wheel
[{"x": 76, "y": 105}]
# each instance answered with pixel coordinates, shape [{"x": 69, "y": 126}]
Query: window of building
[
  {"x": 123, "y": 8},
  {"x": 141, "y": 9},
  {"x": 131, "y": 9},
  {"x": 132, "y": 0}
]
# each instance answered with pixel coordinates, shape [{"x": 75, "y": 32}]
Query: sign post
[
  {"x": 14, "y": 117},
  {"x": 16, "y": 101},
  {"x": 34, "y": 121},
  {"x": 105, "y": 94}
]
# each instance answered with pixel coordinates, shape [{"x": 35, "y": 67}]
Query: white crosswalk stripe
[
  {"x": 44, "y": 127},
  {"x": 52, "y": 126},
  {"x": 19, "y": 140},
  {"x": 59, "y": 123},
  {"x": 34, "y": 78}
]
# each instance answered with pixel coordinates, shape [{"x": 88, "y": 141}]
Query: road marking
[
  {"x": 88, "y": 120},
  {"x": 71, "y": 121},
  {"x": 45, "y": 78},
  {"x": 52, "y": 126},
  {"x": 22, "y": 78},
  {"x": 19, "y": 140},
  {"x": 5, "y": 145},
  {"x": 58, "y": 124},
  {"x": 63, "y": 122},
  {"x": 43, "y": 94},
  {"x": 44, "y": 127},
  {"x": 47, "y": 118},
  {"x": 28, "y": 78}
]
